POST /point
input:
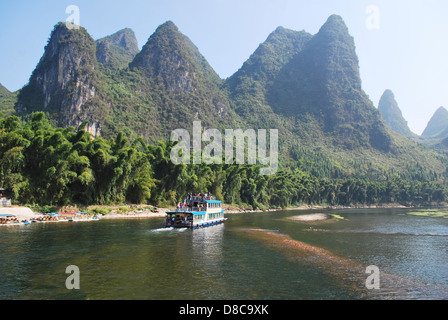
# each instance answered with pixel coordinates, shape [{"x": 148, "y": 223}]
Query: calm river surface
[{"x": 251, "y": 256}]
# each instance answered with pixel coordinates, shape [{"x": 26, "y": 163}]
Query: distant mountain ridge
[
  {"x": 435, "y": 135},
  {"x": 391, "y": 113},
  {"x": 314, "y": 79},
  {"x": 117, "y": 50},
  {"x": 307, "y": 86},
  {"x": 4, "y": 91},
  {"x": 7, "y": 101},
  {"x": 438, "y": 125}
]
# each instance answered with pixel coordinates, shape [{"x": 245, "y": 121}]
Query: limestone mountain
[
  {"x": 184, "y": 85},
  {"x": 117, "y": 50},
  {"x": 392, "y": 115},
  {"x": 309, "y": 87},
  {"x": 169, "y": 83},
  {"x": 314, "y": 81},
  {"x": 174, "y": 61},
  {"x": 64, "y": 83},
  {"x": 326, "y": 67},
  {"x": 261, "y": 70},
  {"x": 438, "y": 125}
]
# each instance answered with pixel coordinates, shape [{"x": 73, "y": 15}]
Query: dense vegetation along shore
[{"x": 59, "y": 167}]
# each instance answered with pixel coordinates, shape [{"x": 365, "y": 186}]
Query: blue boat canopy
[{"x": 213, "y": 201}]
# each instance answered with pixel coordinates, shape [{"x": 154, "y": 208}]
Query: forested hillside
[
  {"x": 7, "y": 101},
  {"x": 41, "y": 164}
]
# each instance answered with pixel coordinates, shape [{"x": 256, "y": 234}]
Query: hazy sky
[{"x": 402, "y": 45}]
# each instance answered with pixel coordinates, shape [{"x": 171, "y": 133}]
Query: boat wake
[{"x": 167, "y": 229}]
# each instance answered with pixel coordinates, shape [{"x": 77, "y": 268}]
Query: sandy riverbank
[
  {"x": 311, "y": 217},
  {"x": 21, "y": 213},
  {"x": 137, "y": 215}
]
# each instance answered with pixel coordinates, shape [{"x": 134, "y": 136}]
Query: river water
[{"x": 250, "y": 257}]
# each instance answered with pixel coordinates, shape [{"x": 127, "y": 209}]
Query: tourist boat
[{"x": 197, "y": 211}]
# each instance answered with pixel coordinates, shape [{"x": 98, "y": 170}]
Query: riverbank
[
  {"x": 21, "y": 213},
  {"x": 161, "y": 212},
  {"x": 135, "y": 212},
  {"x": 26, "y": 214}
]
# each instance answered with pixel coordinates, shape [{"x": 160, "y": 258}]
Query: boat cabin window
[{"x": 214, "y": 205}]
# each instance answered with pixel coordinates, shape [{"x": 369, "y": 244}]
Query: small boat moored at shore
[
  {"x": 197, "y": 211},
  {"x": 11, "y": 220}
]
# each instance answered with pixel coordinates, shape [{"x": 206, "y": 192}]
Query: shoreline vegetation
[
  {"x": 50, "y": 168},
  {"x": 143, "y": 212}
]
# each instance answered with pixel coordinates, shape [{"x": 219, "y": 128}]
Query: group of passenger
[
  {"x": 195, "y": 196},
  {"x": 181, "y": 205},
  {"x": 200, "y": 196}
]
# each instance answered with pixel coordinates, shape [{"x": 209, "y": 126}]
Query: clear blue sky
[{"x": 407, "y": 54}]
